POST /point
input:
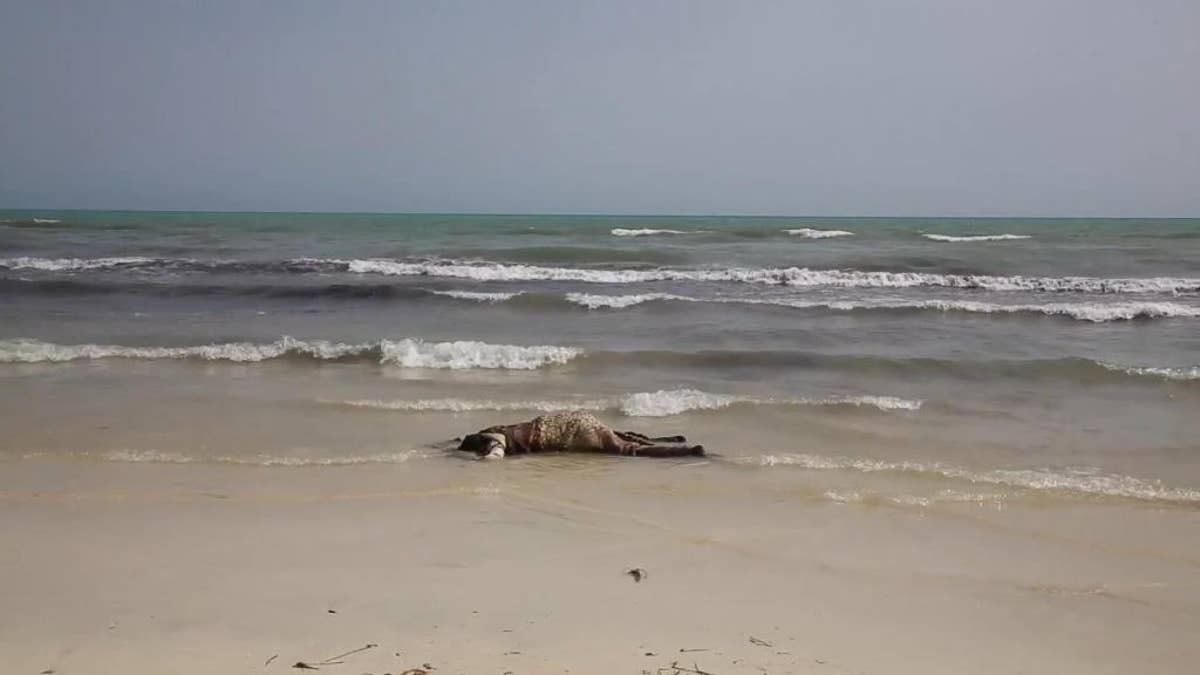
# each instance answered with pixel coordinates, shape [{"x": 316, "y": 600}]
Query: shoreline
[{"x": 147, "y": 568}]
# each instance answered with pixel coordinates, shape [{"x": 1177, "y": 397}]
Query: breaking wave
[
  {"x": 1096, "y": 312},
  {"x": 410, "y": 353},
  {"x": 646, "y": 232},
  {"x": 798, "y": 277},
  {"x": 976, "y": 237},
  {"x": 462, "y": 355},
  {"x": 1083, "y": 481},
  {"x": 478, "y": 296},
  {"x": 809, "y": 233},
  {"x": 143, "y": 264},
  {"x": 592, "y": 301},
  {"x": 790, "y": 276},
  {"x": 1183, "y": 374},
  {"x": 661, "y": 403},
  {"x": 61, "y": 264}
]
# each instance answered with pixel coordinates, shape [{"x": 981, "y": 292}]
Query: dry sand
[{"x": 520, "y": 568}]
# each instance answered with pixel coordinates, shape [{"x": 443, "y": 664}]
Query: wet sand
[{"x": 520, "y": 567}]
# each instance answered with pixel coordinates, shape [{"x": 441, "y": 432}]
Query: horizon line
[{"x": 566, "y": 214}]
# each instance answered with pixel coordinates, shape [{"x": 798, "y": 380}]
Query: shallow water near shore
[
  {"x": 1056, "y": 357},
  {"x": 970, "y": 443}
]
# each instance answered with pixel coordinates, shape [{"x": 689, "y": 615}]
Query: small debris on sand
[
  {"x": 760, "y": 643},
  {"x": 638, "y": 574},
  {"x": 331, "y": 661}
]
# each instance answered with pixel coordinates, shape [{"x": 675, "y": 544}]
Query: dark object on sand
[
  {"x": 333, "y": 660},
  {"x": 638, "y": 574},
  {"x": 695, "y": 669},
  {"x": 572, "y": 432}
]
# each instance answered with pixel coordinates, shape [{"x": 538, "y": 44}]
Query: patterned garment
[{"x": 560, "y": 432}]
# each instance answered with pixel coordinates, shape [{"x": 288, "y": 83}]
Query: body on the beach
[{"x": 571, "y": 432}]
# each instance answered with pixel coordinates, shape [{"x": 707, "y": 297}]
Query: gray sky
[{"x": 838, "y": 107}]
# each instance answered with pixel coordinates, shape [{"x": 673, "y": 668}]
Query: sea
[{"x": 890, "y": 361}]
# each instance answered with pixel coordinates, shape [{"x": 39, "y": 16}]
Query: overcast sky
[{"x": 838, "y": 107}]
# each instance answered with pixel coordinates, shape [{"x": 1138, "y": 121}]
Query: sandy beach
[
  {"x": 521, "y": 567},
  {"x": 876, "y": 327}
]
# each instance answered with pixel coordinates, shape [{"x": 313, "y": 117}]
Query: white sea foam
[
  {"x": 158, "y": 457},
  {"x": 909, "y": 500},
  {"x": 976, "y": 237},
  {"x": 595, "y": 301},
  {"x": 646, "y": 232},
  {"x": 1096, "y": 312},
  {"x": 46, "y": 221},
  {"x": 668, "y": 402},
  {"x": 809, "y": 233},
  {"x": 1179, "y": 373},
  {"x": 479, "y": 296},
  {"x": 412, "y": 353},
  {"x": 1085, "y": 481},
  {"x": 465, "y": 354},
  {"x": 67, "y": 264},
  {"x": 661, "y": 403},
  {"x": 790, "y": 276},
  {"x": 1084, "y": 311}
]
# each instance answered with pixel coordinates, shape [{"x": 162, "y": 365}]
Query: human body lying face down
[{"x": 571, "y": 432}]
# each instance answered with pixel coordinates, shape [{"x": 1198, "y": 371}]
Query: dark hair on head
[{"x": 476, "y": 443}]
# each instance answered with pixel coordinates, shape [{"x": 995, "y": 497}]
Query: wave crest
[
  {"x": 798, "y": 277},
  {"x": 479, "y": 296},
  {"x": 662, "y": 403},
  {"x": 810, "y": 233},
  {"x": 1096, "y": 312},
  {"x": 1181, "y": 373},
  {"x": 409, "y": 352},
  {"x": 647, "y": 232},
  {"x": 976, "y": 237},
  {"x": 1085, "y": 481},
  {"x": 65, "y": 264}
]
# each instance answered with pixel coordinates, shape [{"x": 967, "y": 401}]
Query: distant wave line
[
  {"x": 647, "y": 232},
  {"x": 976, "y": 237},
  {"x": 1085, "y": 481},
  {"x": 1093, "y": 312},
  {"x": 796, "y": 277},
  {"x": 660, "y": 403},
  {"x": 408, "y": 352},
  {"x": 810, "y": 233}
]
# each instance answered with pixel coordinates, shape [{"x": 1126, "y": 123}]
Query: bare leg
[
  {"x": 635, "y": 436},
  {"x": 675, "y": 450},
  {"x": 618, "y": 444}
]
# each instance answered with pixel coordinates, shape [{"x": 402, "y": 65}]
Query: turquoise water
[{"x": 1066, "y": 346}]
